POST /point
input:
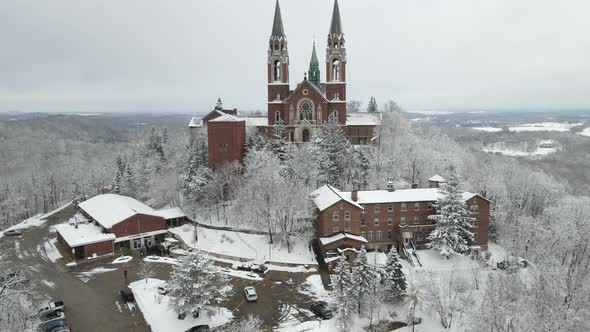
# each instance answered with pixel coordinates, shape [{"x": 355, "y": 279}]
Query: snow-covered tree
[
  {"x": 394, "y": 281},
  {"x": 16, "y": 308},
  {"x": 363, "y": 276},
  {"x": 332, "y": 152},
  {"x": 353, "y": 106},
  {"x": 146, "y": 271},
  {"x": 343, "y": 293},
  {"x": 195, "y": 284},
  {"x": 250, "y": 323},
  {"x": 277, "y": 143},
  {"x": 451, "y": 233}
]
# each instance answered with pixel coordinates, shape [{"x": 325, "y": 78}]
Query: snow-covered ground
[
  {"x": 488, "y": 129},
  {"x": 86, "y": 276},
  {"x": 520, "y": 149},
  {"x": 585, "y": 132},
  {"x": 35, "y": 221},
  {"x": 249, "y": 246},
  {"x": 544, "y": 126},
  {"x": 159, "y": 259},
  {"x": 314, "y": 287},
  {"x": 161, "y": 319}
]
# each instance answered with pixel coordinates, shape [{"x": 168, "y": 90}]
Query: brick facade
[
  {"x": 226, "y": 142},
  {"x": 137, "y": 224}
]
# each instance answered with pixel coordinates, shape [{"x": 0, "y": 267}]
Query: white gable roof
[
  {"x": 85, "y": 233},
  {"x": 170, "y": 213},
  {"x": 227, "y": 118},
  {"x": 363, "y": 119},
  {"x": 400, "y": 195},
  {"x": 111, "y": 209},
  {"x": 340, "y": 236},
  {"x": 326, "y": 196}
]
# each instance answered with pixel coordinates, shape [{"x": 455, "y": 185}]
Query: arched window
[
  {"x": 336, "y": 70},
  {"x": 277, "y": 116},
  {"x": 305, "y": 135},
  {"x": 305, "y": 109},
  {"x": 277, "y": 70}
]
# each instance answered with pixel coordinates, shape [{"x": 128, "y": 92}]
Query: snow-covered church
[{"x": 300, "y": 110}]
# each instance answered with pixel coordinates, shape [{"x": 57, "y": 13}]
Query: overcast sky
[{"x": 112, "y": 55}]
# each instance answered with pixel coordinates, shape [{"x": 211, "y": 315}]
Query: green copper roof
[{"x": 314, "y": 68}]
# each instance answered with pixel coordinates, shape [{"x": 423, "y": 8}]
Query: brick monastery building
[
  {"x": 300, "y": 110},
  {"x": 380, "y": 219}
]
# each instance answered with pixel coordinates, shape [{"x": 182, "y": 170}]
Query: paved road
[{"x": 92, "y": 300}]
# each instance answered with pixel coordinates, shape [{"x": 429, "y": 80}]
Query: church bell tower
[
  {"x": 278, "y": 66},
  {"x": 336, "y": 59}
]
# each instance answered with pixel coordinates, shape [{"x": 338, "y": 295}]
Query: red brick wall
[
  {"x": 231, "y": 133},
  {"x": 99, "y": 248},
  {"x": 356, "y": 133},
  {"x": 326, "y": 223},
  {"x": 139, "y": 223}
]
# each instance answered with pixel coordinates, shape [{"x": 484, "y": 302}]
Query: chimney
[
  {"x": 414, "y": 186},
  {"x": 390, "y": 187},
  {"x": 354, "y": 195}
]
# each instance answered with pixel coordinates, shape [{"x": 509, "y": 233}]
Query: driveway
[{"x": 90, "y": 290}]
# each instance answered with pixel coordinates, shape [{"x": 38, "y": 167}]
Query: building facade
[
  {"x": 380, "y": 219},
  {"x": 300, "y": 110},
  {"x": 109, "y": 223}
]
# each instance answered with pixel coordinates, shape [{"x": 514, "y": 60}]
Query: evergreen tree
[
  {"x": 394, "y": 281},
  {"x": 343, "y": 293},
  {"x": 452, "y": 220},
  {"x": 119, "y": 174},
  {"x": 195, "y": 284},
  {"x": 256, "y": 142},
  {"x": 332, "y": 152},
  {"x": 277, "y": 144},
  {"x": 195, "y": 174},
  {"x": 363, "y": 276},
  {"x": 372, "y": 106}
]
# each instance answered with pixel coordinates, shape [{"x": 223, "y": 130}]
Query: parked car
[
  {"x": 163, "y": 289},
  {"x": 199, "y": 328},
  {"x": 260, "y": 268},
  {"x": 51, "y": 316},
  {"x": 321, "y": 310},
  {"x": 60, "y": 325},
  {"x": 127, "y": 295},
  {"x": 48, "y": 307},
  {"x": 250, "y": 293},
  {"x": 13, "y": 232}
]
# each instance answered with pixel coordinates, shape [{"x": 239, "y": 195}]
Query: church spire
[
  {"x": 314, "y": 68},
  {"x": 336, "y": 25},
  {"x": 277, "y": 25}
]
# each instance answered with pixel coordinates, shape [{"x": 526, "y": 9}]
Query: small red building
[{"x": 110, "y": 223}]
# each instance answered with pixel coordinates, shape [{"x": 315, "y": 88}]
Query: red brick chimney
[{"x": 354, "y": 195}]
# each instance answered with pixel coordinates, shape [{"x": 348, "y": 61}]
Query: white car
[{"x": 250, "y": 293}]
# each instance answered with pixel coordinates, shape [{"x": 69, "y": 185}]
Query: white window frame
[
  {"x": 370, "y": 236},
  {"x": 335, "y": 216},
  {"x": 474, "y": 209},
  {"x": 347, "y": 228},
  {"x": 417, "y": 206},
  {"x": 390, "y": 220},
  {"x": 475, "y": 223},
  {"x": 377, "y": 208},
  {"x": 416, "y": 220},
  {"x": 390, "y": 208},
  {"x": 347, "y": 215},
  {"x": 376, "y": 221},
  {"x": 379, "y": 235},
  {"x": 363, "y": 234},
  {"x": 402, "y": 220},
  {"x": 335, "y": 230},
  {"x": 404, "y": 207}
]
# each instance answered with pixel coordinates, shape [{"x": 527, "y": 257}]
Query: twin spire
[{"x": 279, "y": 31}]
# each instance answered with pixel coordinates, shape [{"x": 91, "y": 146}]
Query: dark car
[
  {"x": 60, "y": 325},
  {"x": 13, "y": 232},
  {"x": 260, "y": 268},
  {"x": 321, "y": 310},
  {"x": 199, "y": 328},
  {"x": 127, "y": 295}
]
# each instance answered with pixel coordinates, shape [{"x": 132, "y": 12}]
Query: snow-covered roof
[
  {"x": 326, "y": 196},
  {"x": 257, "y": 121},
  {"x": 195, "y": 122},
  {"x": 227, "y": 118},
  {"x": 363, "y": 119},
  {"x": 340, "y": 236},
  {"x": 111, "y": 209},
  {"x": 86, "y": 233},
  {"x": 170, "y": 213},
  {"x": 437, "y": 178},
  {"x": 400, "y": 195}
]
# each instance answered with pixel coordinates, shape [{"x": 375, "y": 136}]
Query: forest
[{"x": 537, "y": 214}]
